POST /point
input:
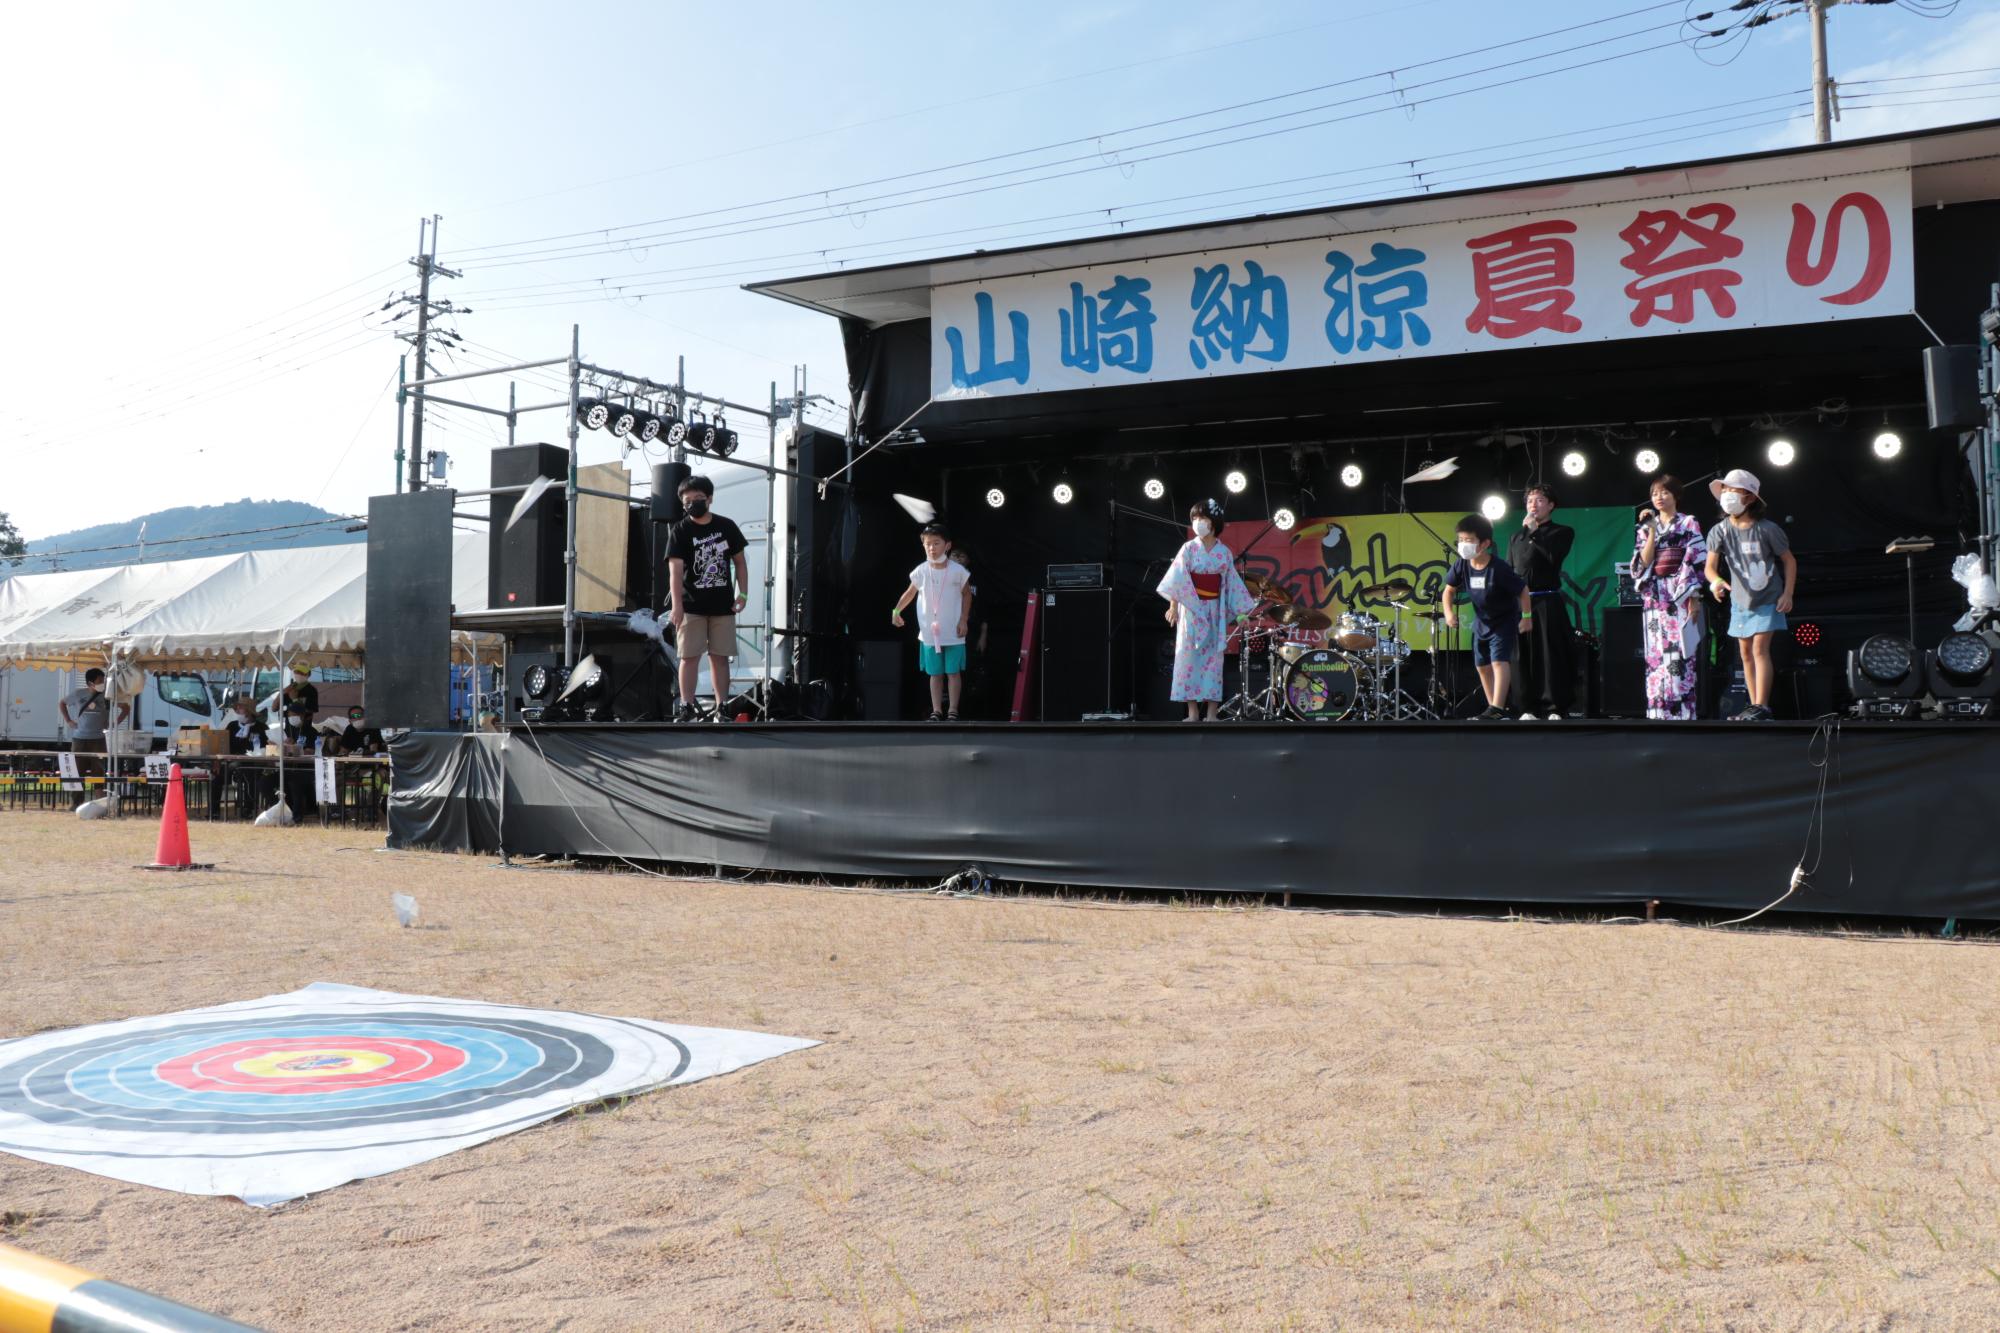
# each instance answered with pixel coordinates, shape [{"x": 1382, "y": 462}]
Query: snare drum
[
  {"x": 1320, "y": 686},
  {"x": 1356, "y": 631}
]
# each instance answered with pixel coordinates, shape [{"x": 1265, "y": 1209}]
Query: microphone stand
[{"x": 1445, "y": 699}]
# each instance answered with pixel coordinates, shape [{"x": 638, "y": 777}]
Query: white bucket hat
[{"x": 1738, "y": 480}]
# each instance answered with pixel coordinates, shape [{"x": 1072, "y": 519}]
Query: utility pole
[
  {"x": 1822, "y": 93},
  {"x": 426, "y": 264}
]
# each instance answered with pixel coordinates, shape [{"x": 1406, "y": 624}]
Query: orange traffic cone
[{"x": 172, "y": 852}]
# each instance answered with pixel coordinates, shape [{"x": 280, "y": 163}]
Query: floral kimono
[
  {"x": 1669, "y": 591},
  {"x": 1210, "y": 594}
]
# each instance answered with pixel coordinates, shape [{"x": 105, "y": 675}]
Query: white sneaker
[
  {"x": 1555, "y": 717},
  {"x": 1529, "y": 717}
]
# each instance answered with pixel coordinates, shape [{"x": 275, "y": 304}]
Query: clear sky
[{"x": 208, "y": 203}]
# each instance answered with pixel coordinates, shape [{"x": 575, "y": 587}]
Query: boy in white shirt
[{"x": 942, "y": 590}]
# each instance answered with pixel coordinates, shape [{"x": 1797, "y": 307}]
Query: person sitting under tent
[
  {"x": 247, "y": 732},
  {"x": 357, "y": 737}
]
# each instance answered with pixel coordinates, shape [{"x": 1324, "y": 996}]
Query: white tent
[
  {"x": 255, "y": 608},
  {"x": 68, "y": 619}
]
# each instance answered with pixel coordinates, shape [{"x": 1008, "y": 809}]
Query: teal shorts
[{"x": 941, "y": 661}]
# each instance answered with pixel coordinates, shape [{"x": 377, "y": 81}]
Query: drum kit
[{"x": 1321, "y": 668}]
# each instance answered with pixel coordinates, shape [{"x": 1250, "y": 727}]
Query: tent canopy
[{"x": 251, "y": 609}]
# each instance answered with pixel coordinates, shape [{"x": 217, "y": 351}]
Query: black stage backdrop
[{"x": 1592, "y": 815}]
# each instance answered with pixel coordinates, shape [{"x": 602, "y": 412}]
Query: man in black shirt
[
  {"x": 1544, "y": 683},
  {"x": 702, "y": 551}
]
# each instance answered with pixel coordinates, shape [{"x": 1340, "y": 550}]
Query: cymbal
[
  {"x": 1423, "y": 614},
  {"x": 1266, "y": 590},
  {"x": 1299, "y": 617},
  {"x": 1392, "y": 588}
]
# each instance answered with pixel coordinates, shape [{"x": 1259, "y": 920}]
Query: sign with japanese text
[
  {"x": 326, "y": 788},
  {"x": 1730, "y": 259}
]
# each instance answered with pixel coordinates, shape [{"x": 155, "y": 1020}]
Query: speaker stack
[{"x": 524, "y": 563}]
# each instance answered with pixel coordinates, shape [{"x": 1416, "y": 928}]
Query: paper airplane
[
  {"x": 921, "y": 510},
  {"x": 1435, "y": 472},
  {"x": 536, "y": 490}
]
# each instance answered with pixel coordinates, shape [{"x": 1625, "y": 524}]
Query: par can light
[
  {"x": 593, "y": 413},
  {"x": 1494, "y": 507},
  {"x": 1155, "y": 488},
  {"x": 1284, "y": 520},
  {"x": 1646, "y": 460},
  {"x": 1350, "y": 476},
  {"x": 1237, "y": 481},
  {"x": 1575, "y": 464},
  {"x": 1781, "y": 453},
  {"x": 1062, "y": 493},
  {"x": 996, "y": 498},
  {"x": 1888, "y": 444}
]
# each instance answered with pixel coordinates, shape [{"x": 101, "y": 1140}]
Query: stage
[{"x": 1596, "y": 815}]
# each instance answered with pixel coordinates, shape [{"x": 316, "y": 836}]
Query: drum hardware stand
[{"x": 1405, "y": 707}]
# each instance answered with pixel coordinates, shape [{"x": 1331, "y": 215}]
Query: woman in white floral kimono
[{"x": 1204, "y": 594}]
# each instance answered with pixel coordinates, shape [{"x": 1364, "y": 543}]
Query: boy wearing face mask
[
  {"x": 701, "y": 552},
  {"x": 1501, "y": 608},
  {"x": 942, "y": 589},
  {"x": 1755, "y": 549}
]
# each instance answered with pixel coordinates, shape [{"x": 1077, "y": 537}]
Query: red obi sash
[{"x": 1208, "y": 587}]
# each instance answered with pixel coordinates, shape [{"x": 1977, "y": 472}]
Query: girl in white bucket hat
[{"x": 1755, "y": 549}]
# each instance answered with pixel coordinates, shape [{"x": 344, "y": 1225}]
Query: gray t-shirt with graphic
[
  {"x": 1756, "y": 575},
  {"x": 91, "y": 709}
]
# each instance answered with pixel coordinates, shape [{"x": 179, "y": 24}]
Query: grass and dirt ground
[{"x": 1031, "y": 1114}]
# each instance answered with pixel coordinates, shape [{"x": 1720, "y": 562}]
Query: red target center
[{"x": 302, "y": 1065}]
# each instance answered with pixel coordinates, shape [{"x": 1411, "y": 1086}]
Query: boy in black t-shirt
[
  {"x": 1500, "y": 607},
  {"x": 701, "y": 553}
]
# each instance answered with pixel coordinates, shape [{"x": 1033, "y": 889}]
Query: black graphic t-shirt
[{"x": 708, "y": 548}]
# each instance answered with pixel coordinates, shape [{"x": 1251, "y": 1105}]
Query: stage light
[
  {"x": 593, "y": 412},
  {"x": 621, "y": 420},
  {"x": 1062, "y": 493},
  {"x": 1237, "y": 482},
  {"x": 1155, "y": 488},
  {"x": 1886, "y": 678},
  {"x": 1888, "y": 444},
  {"x": 648, "y": 428},
  {"x": 1807, "y": 634},
  {"x": 1781, "y": 453},
  {"x": 1962, "y": 677},
  {"x": 536, "y": 681},
  {"x": 1350, "y": 476},
  {"x": 700, "y": 432},
  {"x": 996, "y": 497},
  {"x": 724, "y": 442},
  {"x": 1574, "y": 464},
  {"x": 1494, "y": 507},
  {"x": 1646, "y": 461},
  {"x": 677, "y": 432},
  {"x": 1284, "y": 520}
]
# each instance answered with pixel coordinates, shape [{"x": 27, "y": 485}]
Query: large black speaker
[
  {"x": 878, "y": 674},
  {"x": 409, "y": 610},
  {"x": 1077, "y": 657},
  {"x": 524, "y": 564},
  {"x": 1621, "y": 662},
  {"x": 1951, "y": 386}
]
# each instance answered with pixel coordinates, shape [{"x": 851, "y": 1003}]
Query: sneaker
[
  {"x": 935, "y": 716},
  {"x": 1492, "y": 714},
  {"x": 1528, "y": 717},
  {"x": 683, "y": 713},
  {"x": 1555, "y": 717},
  {"x": 1747, "y": 715},
  {"x": 1759, "y": 713}
]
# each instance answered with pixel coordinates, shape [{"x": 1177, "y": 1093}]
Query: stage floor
[{"x": 1890, "y": 819}]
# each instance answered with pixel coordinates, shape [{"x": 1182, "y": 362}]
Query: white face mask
[
  {"x": 1203, "y": 528},
  {"x": 1467, "y": 550},
  {"x": 1732, "y": 503}
]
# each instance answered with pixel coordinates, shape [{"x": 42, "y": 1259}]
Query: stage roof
[{"x": 1950, "y": 165}]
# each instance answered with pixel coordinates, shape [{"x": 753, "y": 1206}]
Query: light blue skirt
[{"x": 1746, "y": 621}]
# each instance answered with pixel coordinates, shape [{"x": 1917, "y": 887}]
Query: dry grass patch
[{"x": 1028, "y": 1114}]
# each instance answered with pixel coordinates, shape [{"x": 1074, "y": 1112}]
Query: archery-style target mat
[{"x": 272, "y": 1099}]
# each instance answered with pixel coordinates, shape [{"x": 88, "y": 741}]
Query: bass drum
[{"x": 1320, "y": 686}]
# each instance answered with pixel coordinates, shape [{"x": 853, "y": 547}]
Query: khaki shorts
[{"x": 707, "y": 636}]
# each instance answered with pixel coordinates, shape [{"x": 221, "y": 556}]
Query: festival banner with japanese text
[
  {"x": 1728, "y": 259},
  {"x": 1324, "y": 563}
]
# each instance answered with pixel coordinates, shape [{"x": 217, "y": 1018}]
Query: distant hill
[{"x": 177, "y": 534}]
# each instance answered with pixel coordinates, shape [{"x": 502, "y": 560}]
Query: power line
[
  {"x": 1396, "y": 90},
  {"x": 1468, "y": 174},
  {"x": 206, "y": 537},
  {"x": 617, "y": 281}
]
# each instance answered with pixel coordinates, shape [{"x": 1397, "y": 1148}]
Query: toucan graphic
[{"x": 1335, "y": 551}]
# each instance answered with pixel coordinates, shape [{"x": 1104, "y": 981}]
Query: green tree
[{"x": 12, "y": 548}]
